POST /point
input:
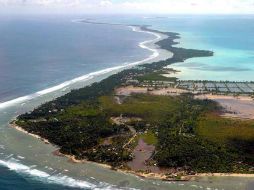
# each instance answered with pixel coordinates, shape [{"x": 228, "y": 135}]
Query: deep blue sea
[
  {"x": 39, "y": 52},
  {"x": 10, "y": 180}
]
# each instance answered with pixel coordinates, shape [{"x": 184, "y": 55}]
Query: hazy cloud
[{"x": 132, "y": 6}]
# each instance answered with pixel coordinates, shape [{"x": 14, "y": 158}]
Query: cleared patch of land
[
  {"x": 128, "y": 90},
  {"x": 241, "y": 107},
  {"x": 234, "y": 106},
  {"x": 223, "y": 130},
  {"x": 142, "y": 117}
]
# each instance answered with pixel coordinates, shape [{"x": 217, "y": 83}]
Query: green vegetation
[
  {"x": 150, "y": 108},
  {"x": 221, "y": 130},
  {"x": 150, "y": 138},
  {"x": 156, "y": 76},
  {"x": 186, "y": 132},
  {"x": 236, "y": 136}
]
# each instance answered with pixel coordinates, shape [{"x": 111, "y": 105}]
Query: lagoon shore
[
  {"x": 37, "y": 152},
  {"x": 124, "y": 173}
]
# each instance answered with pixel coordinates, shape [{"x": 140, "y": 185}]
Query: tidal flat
[{"x": 50, "y": 110}]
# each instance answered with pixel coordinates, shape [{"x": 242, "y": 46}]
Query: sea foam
[
  {"x": 15, "y": 165},
  {"x": 59, "y": 179},
  {"x": 89, "y": 76}
]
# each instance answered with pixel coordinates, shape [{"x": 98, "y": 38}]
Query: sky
[{"x": 128, "y": 6}]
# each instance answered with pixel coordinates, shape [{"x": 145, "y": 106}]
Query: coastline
[
  {"x": 72, "y": 159},
  {"x": 31, "y": 134},
  {"x": 158, "y": 54},
  {"x": 26, "y": 102},
  {"x": 157, "y": 176},
  {"x": 142, "y": 175}
]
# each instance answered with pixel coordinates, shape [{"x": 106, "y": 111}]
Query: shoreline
[
  {"x": 20, "y": 101},
  {"x": 234, "y": 107},
  {"x": 18, "y": 128},
  {"x": 155, "y": 176},
  {"x": 155, "y": 56},
  {"x": 142, "y": 175}
]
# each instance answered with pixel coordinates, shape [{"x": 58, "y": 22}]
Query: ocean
[
  {"x": 42, "y": 57},
  {"x": 230, "y": 37},
  {"x": 40, "y": 52},
  {"x": 11, "y": 180}
]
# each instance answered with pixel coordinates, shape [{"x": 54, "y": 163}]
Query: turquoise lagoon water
[
  {"x": 229, "y": 37},
  {"x": 37, "y": 53}
]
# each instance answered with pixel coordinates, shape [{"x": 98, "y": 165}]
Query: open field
[
  {"x": 241, "y": 107},
  {"x": 99, "y": 122},
  {"x": 222, "y": 130},
  {"x": 129, "y": 90},
  {"x": 234, "y": 106}
]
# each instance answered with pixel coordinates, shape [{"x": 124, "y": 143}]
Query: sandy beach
[
  {"x": 155, "y": 172},
  {"x": 80, "y": 163},
  {"x": 73, "y": 160},
  {"x": 20, "y": 105},
  {"x": 31, "y": 134},
  {"x": 224, "y": 175},
  {"x": 241, "y": 107}
]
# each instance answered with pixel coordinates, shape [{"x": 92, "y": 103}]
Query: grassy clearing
[
  {"x": 149, "y": 108},
  {"x": 78, "y": 111},
  {"x": 221, "y": 130},
  {"x": 149, "y": 138}
]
